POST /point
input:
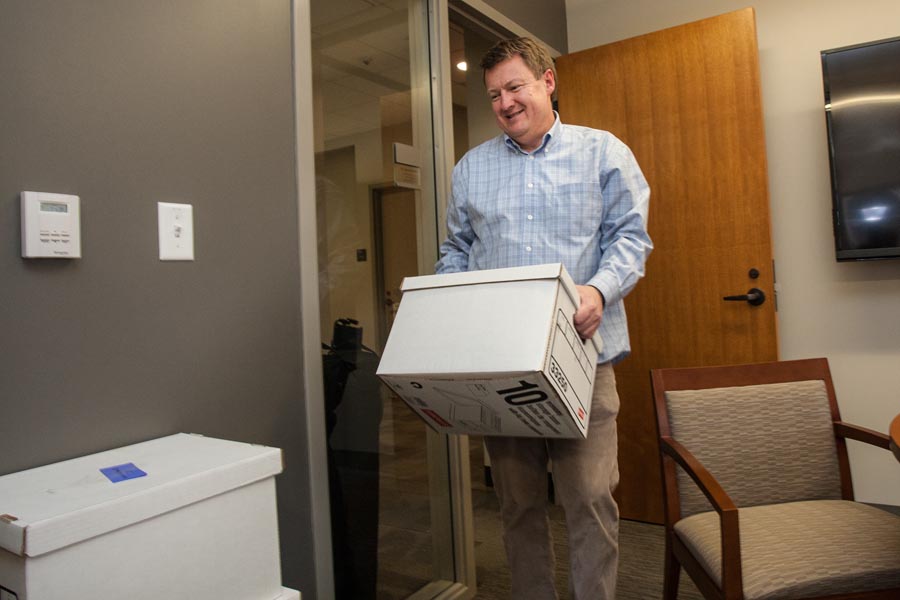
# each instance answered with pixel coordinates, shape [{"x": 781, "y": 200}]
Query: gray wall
[
  {"x": 545, "y": 19},
  {"x": 127, "y": 103}
]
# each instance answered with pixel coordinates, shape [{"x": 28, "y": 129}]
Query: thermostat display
[
  {"x": 51, "y": 226},
  {"x": 54, "y": 207}
]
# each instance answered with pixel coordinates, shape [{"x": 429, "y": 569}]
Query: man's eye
[{"x": 515, "y": 88}]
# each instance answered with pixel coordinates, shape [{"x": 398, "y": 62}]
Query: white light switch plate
[{"x": 176, "y": 231}]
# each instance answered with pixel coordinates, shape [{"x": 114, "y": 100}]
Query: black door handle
[{"x": 754, "y": 297}]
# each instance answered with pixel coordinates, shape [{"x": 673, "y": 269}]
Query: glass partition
[{"x": 375, "y": 208}]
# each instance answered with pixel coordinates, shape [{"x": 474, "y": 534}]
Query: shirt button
[
  {"x": 527, "y": 248},
  {"x": 531, "y": 185},
  {"x": 531, "y": 156},
  {"x": 530, "y": 217}
]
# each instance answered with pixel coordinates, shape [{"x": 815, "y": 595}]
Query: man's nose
[{"x": 506, "y": 99}]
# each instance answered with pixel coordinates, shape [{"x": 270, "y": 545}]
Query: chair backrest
[{"x": 765, "y": 432}]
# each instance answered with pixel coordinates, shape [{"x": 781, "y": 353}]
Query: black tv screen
[{"x": 862, "y": 110}]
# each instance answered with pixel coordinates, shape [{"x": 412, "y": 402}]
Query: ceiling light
[{"x": 462, "y": 66}]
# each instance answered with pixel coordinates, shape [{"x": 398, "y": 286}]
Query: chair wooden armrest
[
  {"x": 862, "y": 434},
  {"x": 711, "y": 488},
  {"x": 732, "y": 582}
]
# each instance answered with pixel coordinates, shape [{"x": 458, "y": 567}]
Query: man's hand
[{"x": 590, "y": 312}]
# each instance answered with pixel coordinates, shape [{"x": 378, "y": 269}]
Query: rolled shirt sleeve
[{"x": 624, "y": 241}]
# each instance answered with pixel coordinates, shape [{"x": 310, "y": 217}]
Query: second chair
[{"x": 762, "y": 505}]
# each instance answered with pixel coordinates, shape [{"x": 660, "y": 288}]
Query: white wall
[{"x": 847, "y": 312}]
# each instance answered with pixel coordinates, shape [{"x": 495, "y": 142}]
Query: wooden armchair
[{"x": 762, "y": 506}]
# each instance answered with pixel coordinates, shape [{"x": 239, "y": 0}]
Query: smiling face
[{"x": 522, "y": 103}]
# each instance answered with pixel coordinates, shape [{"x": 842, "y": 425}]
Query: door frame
[
  {"x": 376, "y": 194},
  {"x": 310, "y": 334}
]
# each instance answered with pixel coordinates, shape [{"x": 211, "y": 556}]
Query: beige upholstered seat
[{"x": 764, "y": 459}]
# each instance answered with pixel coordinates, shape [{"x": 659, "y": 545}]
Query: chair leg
[{"x": 671, "y": 574}]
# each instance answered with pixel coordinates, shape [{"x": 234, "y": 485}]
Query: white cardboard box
[
  {"x": 493, "y": 352},
  {"x": 200, "y": 524}
]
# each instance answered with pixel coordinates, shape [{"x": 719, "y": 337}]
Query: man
[{"x": 547, "y": 192}]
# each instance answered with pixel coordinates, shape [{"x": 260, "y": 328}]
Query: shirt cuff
[{"x": 608, "y": 286}]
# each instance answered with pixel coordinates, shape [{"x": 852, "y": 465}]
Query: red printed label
[{"x": 436, "y": 417}]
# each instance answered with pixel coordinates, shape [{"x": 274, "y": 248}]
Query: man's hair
[{"x": 536, "y": 57}]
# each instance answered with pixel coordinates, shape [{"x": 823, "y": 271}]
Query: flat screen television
[{"x": 862, "y": 110}]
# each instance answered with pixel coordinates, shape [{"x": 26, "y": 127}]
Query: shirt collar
[{"x": 548, "y": 137}]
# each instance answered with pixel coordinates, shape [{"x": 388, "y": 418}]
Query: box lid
[
  {"x": 491, "y": 321},
  {"x": 527, "y": 273},
  {"x": 54, "y": 506},
  {"x": 547, "y": 271}
]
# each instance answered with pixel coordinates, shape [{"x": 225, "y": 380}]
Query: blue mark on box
[{"x": 122, "y": 472}]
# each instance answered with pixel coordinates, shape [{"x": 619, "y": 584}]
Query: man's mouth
[{"x": 512, "y": 115}]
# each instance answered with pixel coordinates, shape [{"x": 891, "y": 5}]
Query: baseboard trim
[{"x": 888, "y": 507}]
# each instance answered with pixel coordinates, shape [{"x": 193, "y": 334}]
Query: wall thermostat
[{"x": 51, "y": 225}]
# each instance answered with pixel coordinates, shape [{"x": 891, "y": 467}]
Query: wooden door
[
  {"x": 687, "y": 102},
  {"x": 396, "y": 254}
]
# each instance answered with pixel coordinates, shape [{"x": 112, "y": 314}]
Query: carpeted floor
[
  {"x": 641, "y": 547},
  {"x": 404, "y": 539},
  {"x": 640, "y": 565}
]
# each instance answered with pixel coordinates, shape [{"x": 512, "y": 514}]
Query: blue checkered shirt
[{"x": 579, "y": 199}]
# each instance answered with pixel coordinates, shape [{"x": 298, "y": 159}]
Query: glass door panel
[{"x": 388, "y": 474}]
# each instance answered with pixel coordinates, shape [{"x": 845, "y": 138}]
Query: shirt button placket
[{"x": 530, "y": 203}]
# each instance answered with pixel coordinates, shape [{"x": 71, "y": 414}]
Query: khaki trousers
[{"x": 585, "y": 473}]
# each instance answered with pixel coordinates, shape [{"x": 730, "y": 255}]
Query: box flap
[
  {"x": 57, "y": 505},
  {"x": 547, "y": 271}
]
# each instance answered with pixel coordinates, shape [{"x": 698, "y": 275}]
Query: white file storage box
[
  {"x": 184, "y": 516},
  {"x": 493, "y": 352}
]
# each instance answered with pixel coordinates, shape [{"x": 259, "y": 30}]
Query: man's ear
[{"x": 549, "y": 81}]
